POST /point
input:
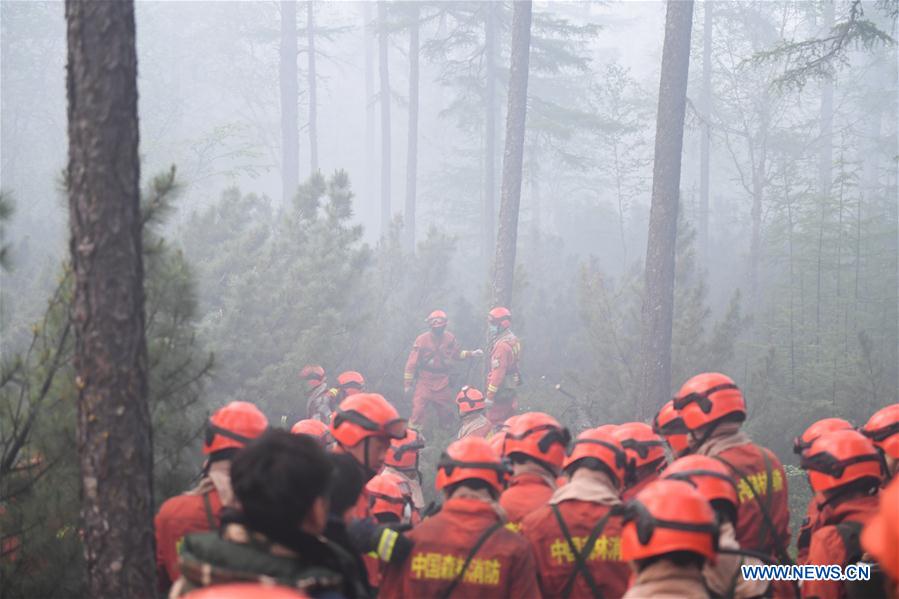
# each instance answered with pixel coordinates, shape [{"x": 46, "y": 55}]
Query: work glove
[{"x": 380, "y": 541}]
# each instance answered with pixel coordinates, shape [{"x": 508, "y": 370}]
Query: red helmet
[
  {"x": 437, "y": 319},
  {"x": 669, "y": 516},
  {"x": 538, "y": 436},
  {"x": 403, "y": 453},
  {"x": 470, "y": 400},
  {"x": 883, "y": 429},
  {"x": 350, "y": 382},
  {"x": 707, "y": 398},
  {"x": 642, "y": 446},
  {"x": 880, "y": 538},
  {"x": 313, "y": 428},
  {"x": 387, "y": 494},
  {"x": 246, "y": 590},
  {"x": 708, "y": 475},
  {"x": 594, "y": 444},
  {"x": 669, "y": 424},
  {"x": 470, "y": 458},
  {"x": 365, "y": 415},
  {"x": 607, "y": 428},
  {"x": 313, "y": 374},
  {"x": 235, "y": 425},
  {"x": 501, "y": 317},
  {"x": 838, "y": 458},
  {"x": 804, "y": 441}
]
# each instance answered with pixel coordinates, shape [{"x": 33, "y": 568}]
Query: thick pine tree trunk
[
  {"x": 369, "y": 192},
  {"x": 705, "y": 143},
  {"x": 490, "y": 48},
  {"x": 290, "y": 129},
  {"x": 658, "y": 301},
  {"x": 313, "y": 89},
  {"x": 114, "y": 436},
  {"x": 412, "y": 142},
  {"x": 510, "y": 197},
  {"x": 383, "y": 41}
]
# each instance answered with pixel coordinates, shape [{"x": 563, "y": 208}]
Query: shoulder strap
[
  {"x": 580, "y": 556},
  {"x": 849, "y": 533},
  {"x": 480, "y": 542},
  {"x": 210, "y": 517}
]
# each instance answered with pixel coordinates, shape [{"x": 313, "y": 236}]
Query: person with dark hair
[{"x": 282, "y": 483}]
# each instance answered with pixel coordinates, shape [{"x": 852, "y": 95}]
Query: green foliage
[{"x": 7, "y": 207}]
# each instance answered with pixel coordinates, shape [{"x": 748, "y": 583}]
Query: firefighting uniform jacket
[
  {"x": 502, "y": 567},
  {"x": 829, "y": 542},
  {"x": 428, "y": 366},
  {"x": 527, "y": 491},
  {"x": 809, "y": 525},
  {"x": 503, "y": 364}
]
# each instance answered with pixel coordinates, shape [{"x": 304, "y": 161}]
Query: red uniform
[
  {"x": 807, "y": 528},
  {"x": 502, "y": 567},
  {"x": 503, "y": 377},
  {"x": 179, "y": 516},
  {"x": 631, "y": 492},
  {"x": 428, "y": 366},
  {"x": 827, "y": 546},
  {"x": 527, "y": 492}
]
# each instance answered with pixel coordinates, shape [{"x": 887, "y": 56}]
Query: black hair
[
  {"x": 725, "y": 509},
  {"x": 596, "y": 465},
  {"x": 348, "y": 482},
  {"x": 475, "y": 484},
  {"x": 681, "y": 559},
  {"x": 277, "y": 478}
]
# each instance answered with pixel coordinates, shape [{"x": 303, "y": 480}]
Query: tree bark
[
  {"x": 369, "y": 191},
  {"x": 313, "y": 89},
  {"x": 510, "y": 197},
  {"x": 658, "y": 301},
  {"x": 383, "y": 41},
  {"x": 490, "y": 47},
  {"x": 706, "y": 107},
  {"x": 114, "y": 437},
  {"x": 290, "y": 129},
  {"x": 412, "y": 142}
]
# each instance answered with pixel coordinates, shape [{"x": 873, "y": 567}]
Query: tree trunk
[
  {"x": 825, "y": 151},
  {"x": 510, "y": 197},
  {"x": 412, "y": 143},
  {"x": 706, "y": 107},
  {"x": 658, "y": 301},
  {"x": 114, "y": 437},
  {"x": 489, "y": 132},
  {"x": 313, "y": 91},
  {"x": 290, "y": 129},
  {"x": 383, "y": 41},
  {"x": 369, "y": 191}
]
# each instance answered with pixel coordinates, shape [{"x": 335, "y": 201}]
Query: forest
[{"x": 654, "y": 190}]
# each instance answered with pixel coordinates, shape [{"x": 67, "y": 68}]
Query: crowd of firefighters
[{"x": 334, "y": 507}]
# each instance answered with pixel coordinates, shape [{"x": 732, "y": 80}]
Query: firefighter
[
  {"x": 880, "y": 538},
  {"x": 713, "y": 410},
  {"x": 402, "y": 460},
  {"x": 670, "y": 532},
  {"x": 349, "y": 383},
  {"x": 843, "y": 467},
  {"x": 464, "y": 550},
  {"x": 227, "y": 430},
  {"x": 426, "y": 376},
  {"x": 318, "y": 405},
  {"x": 390, "y": 502},
  {"x": 503, "y": 377},
  {"x": 315, "y": 429},
  {"x": 883, "y": 429},
  {"x": 668, "y": 424},
  {"x": 577, "y": 537},
  {"x": 800, "y": 444},
  {"x": 281, "y": 483},
  {"x": 535, "y": 444},
  {"x": 714, "y": 481},
  {"x": 645, "y": 456},
  {"x": 472, "y": 405}
]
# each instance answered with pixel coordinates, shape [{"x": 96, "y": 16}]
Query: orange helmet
[
  {"x": 826, "y": 425},
  {"x": 470, "y": 458},
  {"x": 669, "y": 516},
  {"x": 246, "y": 590},
  {"x": 838, "y": 458},
  {"x": 501, "y": 317},
  {"x": 313, "y": 428},
  {"x": 642, "y": 446},
  {"x": 880, "y": 538},
  {"x": 883, "y": 429},
  {"x": 235, "y": 425},
  {"x": 437, "y": 319},
  {"x": 313, "y": 374},
  {"x": 708, "y": 475},
  {"x": 594, "y": 444},
  {"x": 350, "y": 382},
  {"x": 404, "y": 453},
  {"x": 707, "y": 398},
  {"x": 669, "y": 424},
  {"x": 365, "y": 415},
  {"x": 538, "y": 436},
  {"x": 470, "y": 400},
  {"x": 387, "y": 494}
]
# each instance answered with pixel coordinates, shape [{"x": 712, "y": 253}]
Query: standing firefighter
[
  {"x": 503, "y": 377},
  {"x": 428, "y": 366},
  {"x": 317, "y": 402}
]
